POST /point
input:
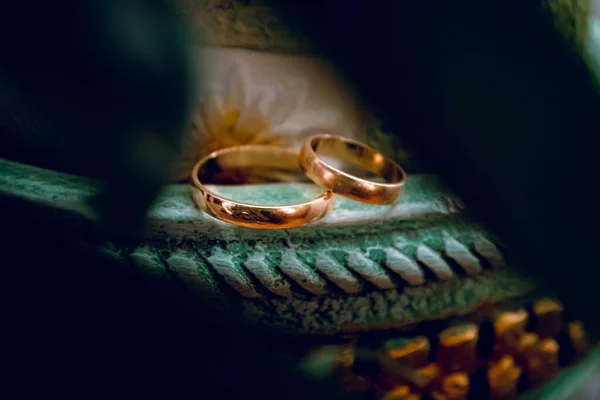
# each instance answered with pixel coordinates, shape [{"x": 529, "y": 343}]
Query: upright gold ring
[
  {"x": 252, "y": 215},
  {"x": 345, "y": 184}
]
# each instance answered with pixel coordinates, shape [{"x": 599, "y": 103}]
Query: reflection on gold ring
[
  {"x": 345, "y": 184},
  {"x": 251, "y": 215}
]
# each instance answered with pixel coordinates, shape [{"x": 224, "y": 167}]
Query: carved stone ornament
[{"x": 362, "y": 267}]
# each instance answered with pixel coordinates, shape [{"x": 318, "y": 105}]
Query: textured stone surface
[
  {"x": 247, "y": 24},
  {"x": 254, "y": 25},
  {"x": 363, "y": 267}
]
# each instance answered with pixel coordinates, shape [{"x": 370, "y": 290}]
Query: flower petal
[{"x": 286, "y": 99}]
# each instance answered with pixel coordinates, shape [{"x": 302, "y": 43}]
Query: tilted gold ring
[
  {"x": 345, "y": 184},
  {"x": 251, "y": 215}
]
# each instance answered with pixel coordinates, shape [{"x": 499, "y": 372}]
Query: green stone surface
[{"x": 361, "y": 268}]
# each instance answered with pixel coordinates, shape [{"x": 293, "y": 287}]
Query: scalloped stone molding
[{"x": 362, "y": 267}]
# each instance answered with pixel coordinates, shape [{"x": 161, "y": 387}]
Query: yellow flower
[
  {"x": 237, "y": 114},
  {"x": 259, "y": 98}
]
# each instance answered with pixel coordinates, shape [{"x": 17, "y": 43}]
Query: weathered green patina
[{"x": 361, "y": 268}]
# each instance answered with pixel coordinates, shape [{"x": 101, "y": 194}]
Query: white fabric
[{"x": 250, "y": 97}]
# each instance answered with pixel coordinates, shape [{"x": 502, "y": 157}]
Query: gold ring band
[
  {"x": 251, "y": 215},
  {"x": 345, "y": 184}
]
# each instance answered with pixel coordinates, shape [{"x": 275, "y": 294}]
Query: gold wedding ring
[
  {"x": 345, "y": 184},
  {"x": 251, "y": 215}
]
